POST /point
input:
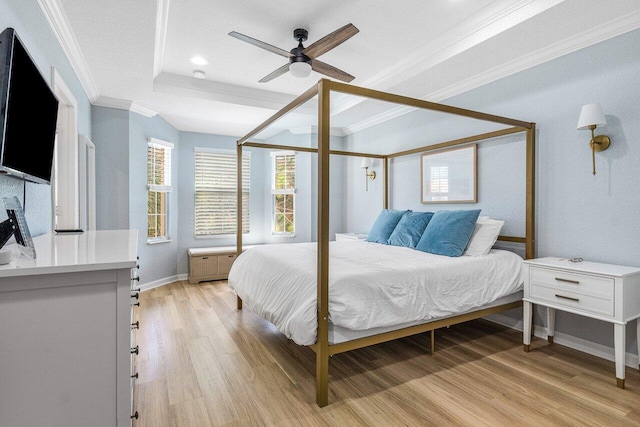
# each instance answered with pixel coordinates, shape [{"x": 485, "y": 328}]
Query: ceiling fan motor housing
[{"x": 300, "y": 35}]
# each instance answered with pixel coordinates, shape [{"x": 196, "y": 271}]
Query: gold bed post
[
  {"x": 385, "y": 169},
  {"x": 239, "y": 210},
  {"x": 531, "y": 184},
  {"x": 322, "y": 343}
]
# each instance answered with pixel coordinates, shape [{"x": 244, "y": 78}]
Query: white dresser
[
  {"x": 610, "y": 293},
  {"x": 65, "y": 332}
]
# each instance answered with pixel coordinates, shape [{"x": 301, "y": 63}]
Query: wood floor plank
[{"x": 203, "y": 362}]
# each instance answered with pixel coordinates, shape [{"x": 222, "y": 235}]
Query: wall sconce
[
  {"x": 591, "y": 116},
  {"x": 366, "y": 164}
]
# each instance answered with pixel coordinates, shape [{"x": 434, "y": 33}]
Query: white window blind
[
  {"x": 215, "y": 186},
  {"x": 159, "y": 187},
  {"x": 439, "y": 179},
  {"x": 283, "y": 188}
]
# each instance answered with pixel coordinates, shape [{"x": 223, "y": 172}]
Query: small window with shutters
[
  {"x": 158, "y": 189},
  {"x": 215, "y": 192}
]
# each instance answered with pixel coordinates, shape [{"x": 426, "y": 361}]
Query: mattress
[{"x": 371, "y": 286}]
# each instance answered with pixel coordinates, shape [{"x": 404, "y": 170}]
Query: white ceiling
[{"x": 136, "y": 54}]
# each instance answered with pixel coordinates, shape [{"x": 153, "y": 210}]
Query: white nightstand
[
  {"x": 350, "y": 236},
  {"x": 601, "y": 291}
]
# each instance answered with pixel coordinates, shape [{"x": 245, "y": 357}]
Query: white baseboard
[
  {"x": 567, "y": 340},
  {"x": 162, "y": 282}
]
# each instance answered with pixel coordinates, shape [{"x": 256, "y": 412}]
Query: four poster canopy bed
[{"x": 371, "y": 293}]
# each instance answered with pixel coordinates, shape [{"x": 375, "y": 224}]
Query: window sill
[
  {"x": 158, "y": 241},
  {"x": 288, "y": 235}
]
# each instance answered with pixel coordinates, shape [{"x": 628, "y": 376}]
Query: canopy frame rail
[{"x": 323, "y": 91}]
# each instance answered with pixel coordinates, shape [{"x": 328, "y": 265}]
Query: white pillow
[{"x": 484, "y": 236}]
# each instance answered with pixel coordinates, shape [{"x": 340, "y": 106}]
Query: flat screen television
[{"x": 28, "y": 114}]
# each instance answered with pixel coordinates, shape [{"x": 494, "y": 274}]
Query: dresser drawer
[
  {"x": 575, "y": 300},
  {"x": 583, "y": 284}
]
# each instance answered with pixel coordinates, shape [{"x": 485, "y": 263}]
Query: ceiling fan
[{"x": 303, "y": 59}]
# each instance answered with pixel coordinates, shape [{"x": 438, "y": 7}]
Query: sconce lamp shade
[
  {"x": 591, "y": 115},
  {"x": 366, "y": 163},
  {"x": 300, "y": 69}
]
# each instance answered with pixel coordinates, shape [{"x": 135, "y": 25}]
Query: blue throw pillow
[
  {"x": 384, "y": 225},
  {"x": 410, "y": 228},
  {"x": 448, "y": 232}
]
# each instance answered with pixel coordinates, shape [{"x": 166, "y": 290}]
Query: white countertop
[{"x": 66, "y": 253}]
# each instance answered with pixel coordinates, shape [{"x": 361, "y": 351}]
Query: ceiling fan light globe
[{"x": 300, "y": 69}]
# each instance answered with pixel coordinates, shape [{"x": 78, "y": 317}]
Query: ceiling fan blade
[
  {"x": 330, "y": 70},
  {"x": 330, "y": 41},
  {"x": 277, "y": 73},
  {"x": 260, "y": 44}
]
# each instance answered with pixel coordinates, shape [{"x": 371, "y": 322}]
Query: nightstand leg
[
  {"x": 551, "y": 324},
  {"x": 527, "y": 313},
  {"x": 239, "y": 303},
  {"x": 619, "y": 342}
]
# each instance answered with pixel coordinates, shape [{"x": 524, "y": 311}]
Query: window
[
  {"x": 283, "y": 189},
  {"x": 215, "y": 184},
  {"x": 159, "y": 188},
  {"x": 439, "y": 182}
]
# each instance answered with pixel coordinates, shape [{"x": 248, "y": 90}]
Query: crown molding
[
  {"x": 54, "y": 13},
  {"x": 585, "y": 39},
  {"x": 123, "y": 104},
  {"x": 147, "y": 112},
  {"x": 162, "y": 19},
  {"x": 118, "y": 104}
]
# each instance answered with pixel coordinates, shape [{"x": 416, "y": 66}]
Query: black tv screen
[{"x": 28, "y": 115}]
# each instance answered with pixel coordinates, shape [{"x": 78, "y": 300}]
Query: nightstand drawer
[
  {"x": 573, "y": 299},
  {"x": 584, "y": 284}
]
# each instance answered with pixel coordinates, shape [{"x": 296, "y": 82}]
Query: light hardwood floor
[{"x": 202, "y": 362}]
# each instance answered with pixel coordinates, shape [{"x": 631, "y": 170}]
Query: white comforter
[{"x": 370, "y": 285}]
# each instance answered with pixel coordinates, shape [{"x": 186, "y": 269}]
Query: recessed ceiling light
[
  {"x": 199, "y": 60},
  {"x": 198, "y": 74}
]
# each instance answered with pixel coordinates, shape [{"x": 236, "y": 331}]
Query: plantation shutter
[{"x": 215, "y": 186}]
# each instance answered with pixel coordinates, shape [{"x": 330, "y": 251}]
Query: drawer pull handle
[
  {"x": 205, "y": 257},
  {"x": 135, "y": 350},
  {"x": 135, "y": 305},
  {"x": 135, "y": 294},
  {"x": 138, "y": 266},
  {"x": 135, "y": 376},
  {"x": 560, "y": 279},
  {"x": 135, "y": 415},
  {"x": 135, "y": 325},
  {"x": 569, "y": 298},
  {"x": 136, "y": 278}
]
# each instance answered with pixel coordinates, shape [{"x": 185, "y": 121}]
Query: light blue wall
[
  {"x": 120, "y": 138},
  {"x": 157, "y": 261},
  {"x": 577, "y": 214},
  {"x": 111, "y": 138},
  {"x": 32, "y": 28}
]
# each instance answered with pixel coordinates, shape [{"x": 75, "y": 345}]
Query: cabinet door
[
  {"x": 224, "y": 264},
  {"x": 204, "y": 266}
]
